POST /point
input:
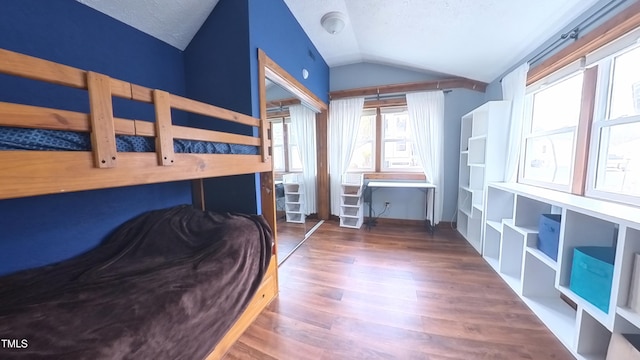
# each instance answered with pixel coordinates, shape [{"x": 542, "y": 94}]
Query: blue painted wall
[
  {"x": 40, "y": 230},
  {"x": 221, "y": 66},
  {"x": 217, "y": 64},
  {"x": 276, "y": 31},
  {"x": 217, "y": 72}
]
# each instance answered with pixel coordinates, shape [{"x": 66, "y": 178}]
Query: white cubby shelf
[
  {"x": 294, "y": 197},
  {"x": 483, "y": 138},
  {"x": 351, "y": 204},
  {"x": 510, "y": 231}
]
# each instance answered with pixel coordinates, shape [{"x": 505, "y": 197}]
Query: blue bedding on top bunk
[{"x": 39, "y": 139}]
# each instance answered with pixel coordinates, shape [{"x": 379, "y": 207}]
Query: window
[
  {"x": 553, "y": 114},
  {"x": 615, "y": 157},
  {"x": 398, "y": 152},
  {"x": 390, "y": 149},
  {"x": 286, "y": 157},
  {"x": 363, "y": 158}
]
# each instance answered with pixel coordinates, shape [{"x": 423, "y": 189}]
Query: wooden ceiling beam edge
[
  {"x": 444, "y": 84},
  {"x": 617, "y": 26},
  {"x": 283, "y": 103}
]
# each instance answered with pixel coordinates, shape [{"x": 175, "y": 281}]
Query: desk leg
[
  {"x": 433, "y": 211},
  {"x": 370, "y": 220},
  {"x": 430, "y": 223}
]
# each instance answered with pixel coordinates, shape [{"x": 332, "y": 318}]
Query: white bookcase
[
  {"x": 294, "y": 198},
  {"x": 351, "y": 205},
  {"x": 483, "y": 146},
  {"x": 510, "y": 233}
]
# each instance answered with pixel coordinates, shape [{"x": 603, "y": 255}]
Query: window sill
[{"x": 394, "y": 176}]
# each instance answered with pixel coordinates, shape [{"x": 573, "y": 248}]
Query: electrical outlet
[{"x": 387, "y": 204}]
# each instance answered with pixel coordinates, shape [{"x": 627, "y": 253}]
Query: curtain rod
[
  {"x": 394, "y": 96},
  {"x": 575, "y": 32}
]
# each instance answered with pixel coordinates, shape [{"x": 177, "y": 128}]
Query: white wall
[
  {"x": 494, "y": 91},
  {"x": 366, "y": 74},
  {"x": 410, "y": 203}
]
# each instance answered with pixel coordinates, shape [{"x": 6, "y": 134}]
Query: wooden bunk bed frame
[{"x": 28, "y": 173}]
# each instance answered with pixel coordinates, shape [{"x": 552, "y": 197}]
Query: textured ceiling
[
  {"x": 470, "y": 38},
  {"x": 175, "y": 22},
  {"x": 478, "y": 39}
]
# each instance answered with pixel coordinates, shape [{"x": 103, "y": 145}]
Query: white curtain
[
  {"x": 303, "y": 123},
  {"x": 426, "y": 119},
  {"x": 344, "y": 121},
  {"x": 513, "y": 89}
]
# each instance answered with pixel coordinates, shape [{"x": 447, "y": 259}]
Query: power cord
[{"x": 375, "y": 217}]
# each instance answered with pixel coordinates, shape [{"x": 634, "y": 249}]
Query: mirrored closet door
[
  {"x": 293, "y": 129},
  {"x": 292, "y": 112}
]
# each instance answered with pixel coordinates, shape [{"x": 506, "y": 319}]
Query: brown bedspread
[{"x": 166, "y": 285}]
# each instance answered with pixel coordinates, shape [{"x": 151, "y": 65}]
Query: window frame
[
  {"x": 527, "y": 133},
  {"x": 368, "y": 112},
  {"x": 378, "y": 139},
  {"x": 283, "y": 145},
  {"x": 384, "y": 140},
  {"x": 286, "y": 145},
  {"x": 602, "y": 122}
]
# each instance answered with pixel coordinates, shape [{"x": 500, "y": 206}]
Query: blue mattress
[{"x": 39, "y": 139}]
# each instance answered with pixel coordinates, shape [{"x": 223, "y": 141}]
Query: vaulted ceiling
[{"x": 477, "y": 39}]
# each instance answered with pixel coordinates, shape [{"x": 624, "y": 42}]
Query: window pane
[
  {"x": 295, "y": 163},
  {"x": 395, "y": 124},
  {"x": 278, "y": 158},
  {"x": 625, "y": 88},
  {"x": 293, "y": 137},
  {"x": 619, "y": 162},
  {"x": 366, "y": 131},
  {"x": 557, "y": 106},
  {"x": 363, "y": 155},
  {"x": 398, "y": 154},
  {"x": 549, "y": 158},
  {"x": 277, "y": 133}
]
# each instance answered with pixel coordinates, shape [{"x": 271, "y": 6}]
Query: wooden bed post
[
  {"x": 197, "y": 194},
  {"x": 267, "y": 193},
  {"x": 265, "y": 144},
  {"x": 103, "y": 134},
  {"x": 164, "y": 137}
]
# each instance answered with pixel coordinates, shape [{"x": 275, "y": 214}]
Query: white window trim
[
  {"x": 557, "y": 77},
  {"x": 545, "y": 184},
  {"x": 601, "y": 122},
  {"x": 384, "y": 140},
  {"x": 595, "y": 152},
  {"x": 285, "y": 121},
  {"x": 372, "y": 141}
]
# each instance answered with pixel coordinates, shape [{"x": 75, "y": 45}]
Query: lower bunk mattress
[
  {"x": 41, "y": 139},
  {"x": 166, "y": 285}
]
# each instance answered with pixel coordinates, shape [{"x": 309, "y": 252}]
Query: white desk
[{"x": 403, "y": 185}]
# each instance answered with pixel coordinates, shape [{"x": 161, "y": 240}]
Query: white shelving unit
[
  {"x": 294, "y": 198},
  {"x": 351, "y": 205},
  {"x": 483, "y": 145},
  {"x": 510, "y": 233}
]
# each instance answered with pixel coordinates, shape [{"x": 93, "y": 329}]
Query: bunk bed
[{"x": 49, "y": 151}]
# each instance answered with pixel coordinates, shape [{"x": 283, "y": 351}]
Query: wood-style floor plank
[{"x": 395, "y": 292}]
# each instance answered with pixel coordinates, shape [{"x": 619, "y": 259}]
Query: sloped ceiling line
[{"x": 467, "y": 38}]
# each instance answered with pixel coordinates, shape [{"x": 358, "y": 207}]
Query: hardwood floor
[
  {"x": 395, "y": 292},
  {"x": 289, "y": 236}
]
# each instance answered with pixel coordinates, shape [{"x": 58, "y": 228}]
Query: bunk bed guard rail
[{"x": 103, "y": 126}]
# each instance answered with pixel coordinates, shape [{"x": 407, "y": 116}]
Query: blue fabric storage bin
[
  {"x": 592, "y": 274},
  {"x": 549, "y": 234}
]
